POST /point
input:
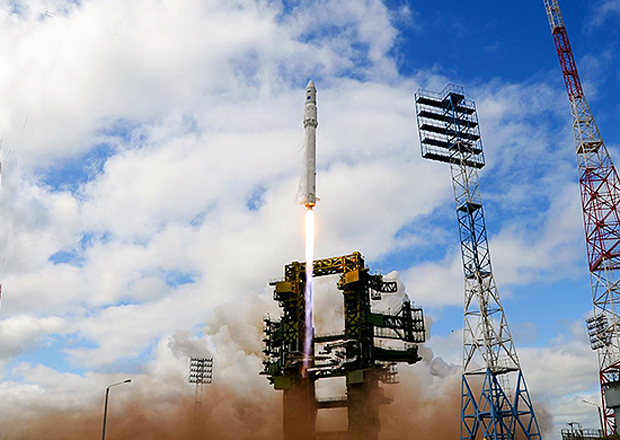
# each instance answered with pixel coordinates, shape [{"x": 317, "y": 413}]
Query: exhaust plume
[{"x": 309, "y": 291}]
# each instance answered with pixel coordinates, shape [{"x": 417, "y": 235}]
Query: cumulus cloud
[{"x": 20, "y": 333}]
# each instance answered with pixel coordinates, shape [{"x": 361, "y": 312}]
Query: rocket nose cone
[{"x": 310, "y": 85}]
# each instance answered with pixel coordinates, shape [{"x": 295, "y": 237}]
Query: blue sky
[
  {"x": 486, "y": 43},
  {"x": 151, "y": 156}
]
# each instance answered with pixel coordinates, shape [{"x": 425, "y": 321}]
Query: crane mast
[{"x": 600, "y": 197}]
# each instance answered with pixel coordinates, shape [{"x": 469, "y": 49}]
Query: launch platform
[{"x": 365, "y": 352}]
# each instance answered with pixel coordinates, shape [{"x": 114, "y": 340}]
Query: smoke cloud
[
  {"x": 239, "y": 404},
  {"x": 223, "y": 415}
]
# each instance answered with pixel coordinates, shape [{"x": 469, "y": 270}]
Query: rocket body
[{"x": 310, "y": 124}]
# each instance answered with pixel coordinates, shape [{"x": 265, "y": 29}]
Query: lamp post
[
  {"x": 105, "y": 406},
  {"x": 600, "y": 416}
]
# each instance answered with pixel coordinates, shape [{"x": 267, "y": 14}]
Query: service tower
[{"x": 365, "y": 352}]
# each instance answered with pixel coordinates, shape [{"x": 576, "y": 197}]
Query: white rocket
[{"x": 310, "y": 124}]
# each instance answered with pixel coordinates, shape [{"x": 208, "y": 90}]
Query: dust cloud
[{"x": 239, "y": 404}]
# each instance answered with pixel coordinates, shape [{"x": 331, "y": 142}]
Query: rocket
[{"x": 310, "y": 124}]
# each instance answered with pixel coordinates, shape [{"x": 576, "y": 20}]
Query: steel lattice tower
[
  {"x": 600, "y": 198},
  {"x": 449, "y": 132}
]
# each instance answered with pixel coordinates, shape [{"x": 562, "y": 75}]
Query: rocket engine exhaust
[{"x": 309, "y": 201}]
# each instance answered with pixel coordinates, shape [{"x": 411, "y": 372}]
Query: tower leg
[
  {"x": 197, "y": 410},
  {"x": 492, "y": 415},
  {"x": 363, "y": 397},
  {"x": 487, "y": 416},
  {"x": 524, "y": 410},
  {"x": 299, "y": 411},
  {"x": 610, "y": 388},
  {"x": 469, "y": 412}
]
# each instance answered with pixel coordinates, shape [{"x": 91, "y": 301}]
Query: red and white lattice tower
[{"x": 600, "y": 197}]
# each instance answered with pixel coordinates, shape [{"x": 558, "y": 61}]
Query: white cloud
[
  {"x": 21, "y": 333},
  {"x": 563, "y": 375},
  {"x": 604, "y": 10}
]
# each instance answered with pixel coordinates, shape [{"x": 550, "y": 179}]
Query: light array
[
  {"x": 201, "y": 370},
  {"x": 598, "y": 331}
]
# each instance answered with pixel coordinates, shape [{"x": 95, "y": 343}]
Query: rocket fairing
[{"x": 310, "y": 124}]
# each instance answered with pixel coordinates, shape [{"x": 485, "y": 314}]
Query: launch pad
[{"x": 361, "y": 353}]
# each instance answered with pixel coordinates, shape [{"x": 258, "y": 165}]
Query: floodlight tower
[
  {"x": 600, "y": 199},
  {"x": 200, "y": 373},
  {"x": 449, "y": 132}
]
